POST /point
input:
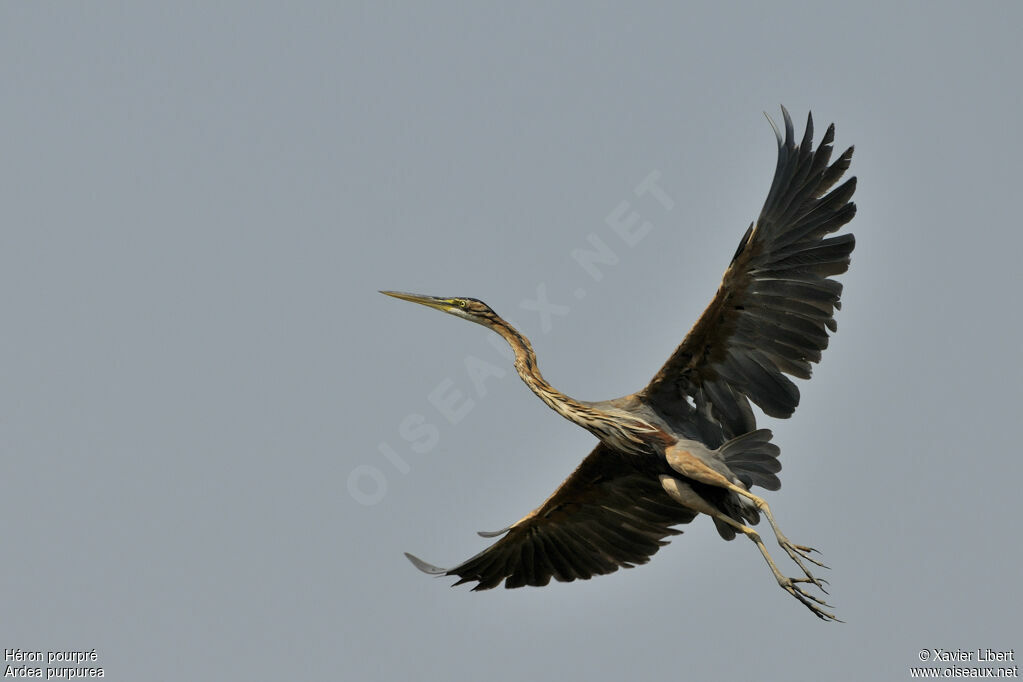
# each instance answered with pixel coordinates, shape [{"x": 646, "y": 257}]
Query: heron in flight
[{"x": 688, "y": 443}]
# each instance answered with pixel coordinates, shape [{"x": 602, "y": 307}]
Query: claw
[
  {"x": 799, "y": 552},
  {"x": 807, "y": 594},
  {"x": 808, "y": 600},
  {"x": 804, "y": 548},
  {"x": 804, "y": 552},
  {"x": 816, "y": 582}
]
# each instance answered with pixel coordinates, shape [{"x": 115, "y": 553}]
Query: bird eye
[{"x": 461, "y": 303}]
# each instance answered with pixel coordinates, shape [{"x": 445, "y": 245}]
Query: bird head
[{"x": 471, "y": 309}]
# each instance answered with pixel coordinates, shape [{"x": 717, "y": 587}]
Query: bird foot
[
  {"x": 800, "y": 552},
  {"x": 816, "y": 605}
]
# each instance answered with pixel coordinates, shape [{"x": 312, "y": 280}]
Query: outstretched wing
[
  {"x": 776, "y": 302},
  {"x": 606, "y": 515}
]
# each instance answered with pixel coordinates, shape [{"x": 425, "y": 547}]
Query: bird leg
[
  {"x": 687, "y": 497},
  {"x": 687, "y": 464},
  {"x": 790, "y": 585},
  {"x": 796, "y": 552}
]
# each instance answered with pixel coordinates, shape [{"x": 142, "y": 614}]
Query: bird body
[{"x": 688, "y": 443}]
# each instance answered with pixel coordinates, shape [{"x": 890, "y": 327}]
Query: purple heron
[{"x": 688, "y": 443}]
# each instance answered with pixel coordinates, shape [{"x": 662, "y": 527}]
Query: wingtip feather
[
  {"x": 774, "y": 127},
  {"x": 492, "y": 533},
  {"x": 789, "y": 128},
  {"x": 425, "y": 567}
]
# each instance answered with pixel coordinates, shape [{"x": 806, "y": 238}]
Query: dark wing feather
[
  {"x": 608, "y": 514},
  {"x": 776, "y": 302}
]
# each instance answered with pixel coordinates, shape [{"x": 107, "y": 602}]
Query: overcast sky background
[{"x": 205, "y": 406}]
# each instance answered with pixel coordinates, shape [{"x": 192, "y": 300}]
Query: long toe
[
  {"x": 805, "y": 552},
  {"x": 800, "y": 552},
  {"x": 808, "y": 600},
  {"x": 819, "y": 583}
]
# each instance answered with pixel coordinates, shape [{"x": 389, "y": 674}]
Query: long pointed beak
[{"x": 430, "y": 301}]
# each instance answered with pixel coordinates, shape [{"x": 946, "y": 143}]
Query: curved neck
[
  {"x": 621, "y": 430},
  {"x": 525, "y": 365}
]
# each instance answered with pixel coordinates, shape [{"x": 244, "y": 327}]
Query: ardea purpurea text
[{"x": 688, "y": 443}]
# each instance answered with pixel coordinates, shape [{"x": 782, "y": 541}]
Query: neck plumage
[
  {"x": 525, "y": 365},
  {"x": 626, "y": 432}
]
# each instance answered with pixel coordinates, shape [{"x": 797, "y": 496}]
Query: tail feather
[
  {"x": 753, "y": 458},
  {"x": 740, "y": 509},
  {"x": 724, "y": 530}
]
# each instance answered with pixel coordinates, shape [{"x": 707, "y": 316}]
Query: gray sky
[{"x": 206, "y": 408}]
